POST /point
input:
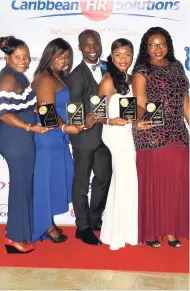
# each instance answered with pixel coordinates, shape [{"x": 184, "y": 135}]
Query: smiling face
[
  {"x": 122, "y": 58},
  {"x": 91, "y": 48},
  {"x": 157, "y": 48},
  {"x": 19, "y": 60},
  {"x": 60, "y": 61}
]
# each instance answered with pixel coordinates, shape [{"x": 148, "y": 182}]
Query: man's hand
[{"x": 91, "y": 119}]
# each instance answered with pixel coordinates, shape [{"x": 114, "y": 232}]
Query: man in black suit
[{"x": 89, "y": 152}]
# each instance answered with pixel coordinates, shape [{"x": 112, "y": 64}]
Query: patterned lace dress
[{"x": 162, "y": 157}]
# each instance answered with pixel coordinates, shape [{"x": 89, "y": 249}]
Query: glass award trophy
[
  {"x": 155, "y": 113},
  {"x": 99, "y": 105},
  {"x": 128, "y": 108},
  {"x": 48, "y": 115},
  {"x": 75, "y": 113}
]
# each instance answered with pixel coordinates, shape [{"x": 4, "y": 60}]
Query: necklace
[{"x": 59, "y": 79}]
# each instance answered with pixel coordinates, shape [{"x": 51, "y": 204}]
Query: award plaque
[
  {"x": 155, "y": 113},
  {"x": 128, "y": 108},
  {"x": 99, "y": 105},
  {"x": 75, "y": 113},
  {"x": 48, "y": 115}
]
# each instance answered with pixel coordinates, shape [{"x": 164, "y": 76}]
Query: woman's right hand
[
  {"x": 142, "y": 125},
  {"x": 73, "y": 129},
  {"x": 118, "y": 121},
  {"x": 39, "y": 128}
]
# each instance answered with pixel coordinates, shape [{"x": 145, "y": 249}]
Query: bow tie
[{"x": 96, "y": 65}]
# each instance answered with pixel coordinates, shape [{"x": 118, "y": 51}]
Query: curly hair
[
  {"x": 118, "y": 77},
  {"x": 9, "y": 44},
  {"x": 143, "y": 56}
]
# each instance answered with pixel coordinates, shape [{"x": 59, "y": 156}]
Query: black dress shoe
[
  {"x": 97, "y": 227},
  {"x": 87, "y": 236}
]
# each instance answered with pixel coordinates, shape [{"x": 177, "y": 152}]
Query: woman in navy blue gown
[
  {"x": 17, "y": 127},
  {"x": 53, "y": 173}
]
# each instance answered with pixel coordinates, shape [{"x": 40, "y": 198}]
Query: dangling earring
[
  {"x": 51, "y": 67},
  {"x": 65, "y": 68}
]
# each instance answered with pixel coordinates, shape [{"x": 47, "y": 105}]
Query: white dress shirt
[{"x": 97, "y": 74}]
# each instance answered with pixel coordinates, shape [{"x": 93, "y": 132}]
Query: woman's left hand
[{"x": 142, "y": 125}]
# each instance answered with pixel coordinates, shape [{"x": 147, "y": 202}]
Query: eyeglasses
[{"x": 154, "y": 46}]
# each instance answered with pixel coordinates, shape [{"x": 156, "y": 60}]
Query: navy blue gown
[
  {"x": 18, "y": 148},
  {"x": 53, "y": 175}
]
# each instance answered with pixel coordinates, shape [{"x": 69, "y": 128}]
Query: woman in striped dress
[{"x": 17, "y": 127}]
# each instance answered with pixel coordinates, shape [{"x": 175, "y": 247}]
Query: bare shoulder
[
  {"x": 107, "y": 79},
  {"x": 106, "y": 85},
  {"x": 43, "y": 80},
  {"x": 8, "y": 83}
]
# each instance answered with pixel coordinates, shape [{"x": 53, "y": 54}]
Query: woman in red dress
[{"x": 162, "y": 151}]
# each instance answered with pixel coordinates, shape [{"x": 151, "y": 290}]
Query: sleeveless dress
[
  {"x": 18, "y": 148},
  {"x": 53, "y": 173},
  {"x": 120, "y": 220},
  {"x": 163, "y": 157}
]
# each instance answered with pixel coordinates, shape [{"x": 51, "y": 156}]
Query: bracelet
[
  {"x": 108, "y": 121},
  {"x": 28, "y": 127},
  {"x": 63, "y": 126}
]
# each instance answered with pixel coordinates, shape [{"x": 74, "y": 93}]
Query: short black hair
[
  {"x": 87, "y": 32},
  {"x": 8, "y": 44}
]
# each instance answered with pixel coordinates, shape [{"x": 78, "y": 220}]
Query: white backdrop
[{"x": 38, "y": 22}]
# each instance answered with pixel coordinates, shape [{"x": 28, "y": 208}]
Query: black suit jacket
[{"x": 82, "y": 85}]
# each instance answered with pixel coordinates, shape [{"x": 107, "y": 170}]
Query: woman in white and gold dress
[{"x": 120, "y": 220}]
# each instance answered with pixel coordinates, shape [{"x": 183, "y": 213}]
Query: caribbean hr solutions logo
[{"x": 98, "y": 10}]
